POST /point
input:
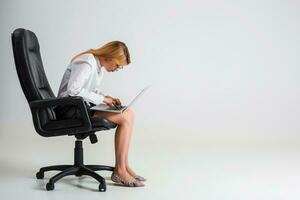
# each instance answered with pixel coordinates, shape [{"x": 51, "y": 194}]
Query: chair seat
[{"x": 98, "y": 123}]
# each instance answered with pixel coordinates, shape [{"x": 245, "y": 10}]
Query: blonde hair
[{"x": 117, "y": 51}]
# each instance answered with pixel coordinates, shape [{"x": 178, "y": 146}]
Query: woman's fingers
[
  {"x": 110, "y": 104},
  {"x": 117, "y": 102}
]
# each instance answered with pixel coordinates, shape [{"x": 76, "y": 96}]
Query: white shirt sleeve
[{"x": 80, "y": 73}]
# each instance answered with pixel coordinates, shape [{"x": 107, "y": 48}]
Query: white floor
[{"x": 207, "y": 169}]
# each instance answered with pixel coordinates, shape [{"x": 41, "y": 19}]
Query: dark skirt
[{"x": 72, "y": 112}]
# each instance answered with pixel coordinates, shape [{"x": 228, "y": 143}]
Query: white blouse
[{"x": 82, "y": 78}]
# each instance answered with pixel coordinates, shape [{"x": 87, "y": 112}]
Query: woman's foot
[
  {"x": 137, "y": 177},
  {"x": 122, "y": 177}
]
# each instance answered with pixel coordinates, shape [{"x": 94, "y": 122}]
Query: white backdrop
[
  {"x": 217, "y": 68},
  {"x": 219, "y": 122}
]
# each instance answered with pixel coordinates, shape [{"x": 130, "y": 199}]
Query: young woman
[{"x": 82, "y": 78}]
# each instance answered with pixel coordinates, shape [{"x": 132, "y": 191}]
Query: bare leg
[
  {"x": 122, "y": 140},
  {"x": 129, "y": 170}
]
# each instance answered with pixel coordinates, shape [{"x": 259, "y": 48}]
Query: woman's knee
[{"x": 128, "y": 116}]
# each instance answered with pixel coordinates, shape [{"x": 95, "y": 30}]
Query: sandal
[
  {"x": 139, "y": 178},
  {"x": 136, "y": 183}
]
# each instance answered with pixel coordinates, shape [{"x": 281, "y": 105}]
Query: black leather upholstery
[{"x": 40, "y": 96}]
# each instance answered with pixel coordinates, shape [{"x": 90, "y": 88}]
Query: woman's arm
[{"x": 80, "y": 73}]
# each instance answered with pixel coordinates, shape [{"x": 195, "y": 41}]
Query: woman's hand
[
  {"x": 110, "y": 101},
  {"x": 117, "y": 102}
]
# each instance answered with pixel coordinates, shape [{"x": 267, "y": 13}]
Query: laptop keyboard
[{"x": 114, "y": 108}]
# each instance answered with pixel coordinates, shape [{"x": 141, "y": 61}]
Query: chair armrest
[{"x": 62, "y": 101}]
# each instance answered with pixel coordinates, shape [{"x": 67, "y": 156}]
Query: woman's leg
[
  {"x": 129, "y": 170},
  {"x": 122, "y": 139}
]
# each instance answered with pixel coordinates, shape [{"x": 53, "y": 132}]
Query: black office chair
[{"x": 42, "y": 104}]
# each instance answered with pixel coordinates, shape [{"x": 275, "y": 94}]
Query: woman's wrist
[{"x": 105, "y": 99}]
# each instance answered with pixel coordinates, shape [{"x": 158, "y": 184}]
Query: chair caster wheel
[
  {"x": 102, "y": 187},
  {"x": 39, "y": 175},
  {"x": 50, "y": 186}
]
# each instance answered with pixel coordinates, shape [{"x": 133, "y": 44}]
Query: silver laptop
[{"x": 104, "y": 107}]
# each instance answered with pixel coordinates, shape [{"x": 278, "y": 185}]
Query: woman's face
[{"x": 109, "y": 65}]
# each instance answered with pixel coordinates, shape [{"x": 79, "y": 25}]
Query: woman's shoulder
[{"x": 87, "y": 57}]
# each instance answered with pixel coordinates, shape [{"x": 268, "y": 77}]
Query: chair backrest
[{"x": 30, "y": 69}]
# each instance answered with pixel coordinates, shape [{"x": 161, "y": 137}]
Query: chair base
[{"x": 78, "y": 169}]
